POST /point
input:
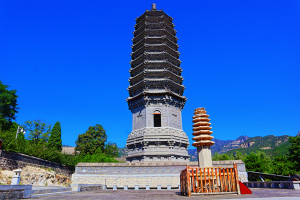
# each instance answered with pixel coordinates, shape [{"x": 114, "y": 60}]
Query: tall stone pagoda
[{"x": 156, "y": 92}]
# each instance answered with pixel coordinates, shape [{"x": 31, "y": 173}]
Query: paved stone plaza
[{"x": 173, "y": 195}]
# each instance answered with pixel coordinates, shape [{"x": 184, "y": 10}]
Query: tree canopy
[
  {"x": 38, "y": 130},
  {"x": 55, "y": 137},
  {"x": 8, "y": 106},
  {"x": 111, "y": 149},
  {"x": 294, "y": 152},
  {"x": 94, "y": 138}
]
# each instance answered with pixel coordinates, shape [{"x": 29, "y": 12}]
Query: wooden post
[
  {"x": 201, "y": 181},
  {"x": 197, "y": 189},
  {"x": 225, "y": 183},
  {"x": 228, "y": 180},
  {"x": 208, "y": 177},
  {"x": 221, "y": 181},
  {"x": 217, "y": 179},
  {"x": 193, "y": 180},
  {"x": 232, "y": 179},
  {"x": 189, "y": 192},
  {"x": 213, "y": 180},
  {"x": 237, "y": 178},
  {"x": 205, "y": 180}
]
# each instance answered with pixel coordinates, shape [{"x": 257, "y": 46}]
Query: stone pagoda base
[
  {"x": 143, "y": 175},
  {"x": 157, "y": 144}
]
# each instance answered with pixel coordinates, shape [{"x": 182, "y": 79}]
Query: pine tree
[{"x": 55, "y": 137}]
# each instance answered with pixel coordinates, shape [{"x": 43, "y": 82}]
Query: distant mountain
[
  {"x": 220, "y": 146},
  {"x": 231, "y": 144},
  {"x": 270, "y": 144},
  {"x": 123, "y": 152}
]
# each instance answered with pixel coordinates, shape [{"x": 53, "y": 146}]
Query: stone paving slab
[
  {"x": 258, "y": 193},
  {"x": 50, "y": 189}
]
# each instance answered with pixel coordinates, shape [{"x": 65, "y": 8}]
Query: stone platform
[
  {"x": 257, "y": 194},
  {"x": 142, "y": 175}
]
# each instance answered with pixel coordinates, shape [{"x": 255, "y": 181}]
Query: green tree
[
  {"x": 294, "y": 152},
  {"x": 55, "y": 137},
  {"x": 258, "y": 162},
  {"x": 94, "y": 138},
  {"x": 9, "y": 137},
  {"x": 216, "y": 156},
  {"x": 281, "y": 166},
  {"x": 111, "y": 150},
  {"x": 8, "y": 106},
  {"x": 38, "y": 130},
  {"x": 224, "y": 157},
  {"x": 96, "y": 157},
  {"x": 21, "y": 142}
]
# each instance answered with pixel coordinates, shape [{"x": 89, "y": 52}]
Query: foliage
[
  {"x": 20, "y": 142},
  {"x": 55, "y": 137},
  {"x": 8, "y": 106},
  {"x": 258, "y": 161},
  {"x": 38, "y": 130},
  {"x": 232, "y": 156},
  {"x": 282, "y": 166},
  {"x": 111, "y": 150},
  {"x": 94, "y": 138},
  {"x": 8, "y": 137},
  {"x": 294, "y": 152},
  {"x": 217, "y": 156},
  {"x": 98, "y": 156}
]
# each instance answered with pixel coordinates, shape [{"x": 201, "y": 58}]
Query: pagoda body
[{"x": 156, "y": 92}]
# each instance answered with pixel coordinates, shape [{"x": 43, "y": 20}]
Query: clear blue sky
[{"x": 69, "y": 62}]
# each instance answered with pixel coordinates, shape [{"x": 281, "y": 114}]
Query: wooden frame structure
[{"x": 212, "y": 180}]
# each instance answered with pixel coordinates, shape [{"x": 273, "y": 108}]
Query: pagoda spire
[
  {"x": 202, "y": 137},
  {"x": 153, "y": 6},
  {"x": 202, "y": 128}
]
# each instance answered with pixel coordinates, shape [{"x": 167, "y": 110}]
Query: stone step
[
  {"x": 45, "y": 190},
  {"x": 48, "y": 194}
]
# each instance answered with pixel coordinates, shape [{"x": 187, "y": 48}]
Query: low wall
[
  {"x": 15, "y": 191},
  {"x": 12, "y": 194},
  {"x": 275, "y": 184},
  {"x": 142, "y": 175},
  {"x": 86, "y": 187},
  {"x": 12, "y": 160}
]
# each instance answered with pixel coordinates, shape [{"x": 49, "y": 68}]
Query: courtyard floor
[{"x": 258, "y": 193}]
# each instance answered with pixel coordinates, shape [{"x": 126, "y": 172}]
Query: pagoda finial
[{"x": 153, "y": 6}]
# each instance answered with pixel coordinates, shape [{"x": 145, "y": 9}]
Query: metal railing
[{"x": 275, "y": 184}]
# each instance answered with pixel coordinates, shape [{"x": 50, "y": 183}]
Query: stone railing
[
  {"x": 275, "y": 184},
  {"x": 11, "y": 160}
]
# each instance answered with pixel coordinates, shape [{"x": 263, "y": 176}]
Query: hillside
[
  {"x": 220, "y": 146},
  {"x": 123, "y": 152},
  {"x": 270, "y": 144}
]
